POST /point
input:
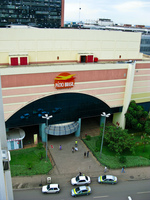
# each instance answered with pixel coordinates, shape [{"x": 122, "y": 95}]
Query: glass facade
[
  {"x": 38, "y": 13},
  {"x": 145, "y": 44},
  {"x": 65, "y": 107}
]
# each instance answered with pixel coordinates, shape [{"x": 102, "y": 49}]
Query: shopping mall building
[{"x": 70, "y": 74}]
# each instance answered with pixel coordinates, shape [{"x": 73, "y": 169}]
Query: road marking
[
  {"x": 143, "y": 192},
  {"x": 100, "y": 197}
]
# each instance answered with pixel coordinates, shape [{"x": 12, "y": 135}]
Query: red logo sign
[{"x": 64, "y": 80}]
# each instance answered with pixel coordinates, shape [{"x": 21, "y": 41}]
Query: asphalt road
[{"x": 137, "y": 190}]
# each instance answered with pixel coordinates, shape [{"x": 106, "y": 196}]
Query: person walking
[
  {"x": 84, "y": 154},
  {"x": 76, "y": 143},
  {"x": 105, "y": 170},
  {"x": 73, "y": 149},
  {"x": 80, "y": 174},
  {"x": 60, "y": 147},
  {"x": 122, "y": 171},
  {"x": 87, "y": 154}
]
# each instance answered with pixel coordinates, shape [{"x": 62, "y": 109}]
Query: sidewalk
[{"x": 69, "y": 164}]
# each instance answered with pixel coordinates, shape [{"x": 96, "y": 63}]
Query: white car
[
  {"x": 81, "y": 190},
  {"x": 107, "y": 179},
  {"x": 81, "y": 180},
  {"x": 51, "y": 188}
]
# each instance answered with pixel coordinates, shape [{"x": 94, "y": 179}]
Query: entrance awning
[
  {"x": 15, "y": 134},
  {"x": 62, "y": 129}
]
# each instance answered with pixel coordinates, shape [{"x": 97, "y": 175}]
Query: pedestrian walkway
[
  {"x": 72, "y": 163},
  {"x": 68, "y": 164}
]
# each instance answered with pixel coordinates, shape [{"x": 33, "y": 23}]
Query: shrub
[
  {"x": 40, "y": 145},
  {"x": 97, "y": 144},
  {"x": 88, "y": 137},
  {"x": 29, "y": 165},
  {"x": 122, "y": 159},
  {"x": 41, "y": 155},
  {"x": 96, "y": 149}
]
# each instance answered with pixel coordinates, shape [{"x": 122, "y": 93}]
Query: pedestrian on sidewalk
[
  {"x": 72, "y": 149},
  {"x": 122, "y": 171},
  {"x": 105, "y": 170},
  {"x": 87, "y": 154},
  {"x": 84, "y": 154},
  {"x": 76, "y": 143},
  {"x": 76, "y": 149},
  {"x": 60, "y": 147}
]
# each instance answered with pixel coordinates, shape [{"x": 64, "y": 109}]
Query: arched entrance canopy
[
  {"x": 62, "y": 129},
  {"x": 65, "y": 107}
]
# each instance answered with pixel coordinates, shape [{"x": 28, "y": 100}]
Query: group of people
[
  {"x": 76, "y": 147},
  {"x": 80, "y": 174},
  {"x": 86, "y": 154},
  {"x": 106, "y": 169}
]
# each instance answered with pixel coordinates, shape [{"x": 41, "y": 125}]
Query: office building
[
  {"x": 145, "y": 44},
  {"x": 37, "y": 13}
]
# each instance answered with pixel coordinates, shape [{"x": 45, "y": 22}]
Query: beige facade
[
  {"x": 114, "y": 83},
  {"x": 63, "y": 45}
]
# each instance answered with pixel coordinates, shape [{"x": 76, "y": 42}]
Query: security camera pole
[
  {"x": 47, "y": 117},
  {"x": 103, "y": 115}
]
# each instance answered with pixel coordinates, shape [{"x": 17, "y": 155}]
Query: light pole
[
  {"x": 103, "y": 115},
  {"x": 47, "y": 117}
]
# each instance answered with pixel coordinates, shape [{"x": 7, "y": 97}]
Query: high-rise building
[
  {"x": 38, "y": 13},
  {"x": 145, "y": 44}
]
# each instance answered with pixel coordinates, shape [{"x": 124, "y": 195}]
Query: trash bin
[{"x": 48, "y": 180}]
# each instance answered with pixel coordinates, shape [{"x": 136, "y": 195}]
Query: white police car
[{"x": 81, "y": 190}]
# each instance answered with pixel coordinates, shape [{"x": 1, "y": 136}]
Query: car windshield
[
  {"x": 77, "y": 189},
  {"x": 77, "y": 178},
  {"x": 104, "y": 177},
  {"x": 48, "y": 187}
]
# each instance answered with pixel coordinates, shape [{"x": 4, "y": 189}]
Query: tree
[
  {"x": 147, "y": 127},
  {"x": 118, "y": 140},
  {"x": 136, "y": 117}
]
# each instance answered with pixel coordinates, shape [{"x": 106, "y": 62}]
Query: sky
[{"x": 135, "y": 12}]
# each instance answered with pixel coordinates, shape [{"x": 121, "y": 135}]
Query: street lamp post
[
  {"x": 103, "y": 115},
  {"x": 47, "y": 117}
]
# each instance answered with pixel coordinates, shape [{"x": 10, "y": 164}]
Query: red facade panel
[
  {"x": 23, "y": 61},
  {"x": 90, "y": 58},
  {"x": 14, "y": 61}
]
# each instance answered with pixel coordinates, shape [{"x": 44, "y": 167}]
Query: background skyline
[{"x": 120, "y": 12}]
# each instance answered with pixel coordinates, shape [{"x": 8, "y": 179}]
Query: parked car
[
  {"x": 107, "y": 179},
  {"x": 81, "y": 190},
  {"x": 51, "y": 188},
  {"x": 81, "y": 180}
]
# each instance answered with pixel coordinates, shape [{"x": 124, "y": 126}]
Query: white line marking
[
  {"x": 100, "y": 197},
  {"x": 143, "y": 192}
]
